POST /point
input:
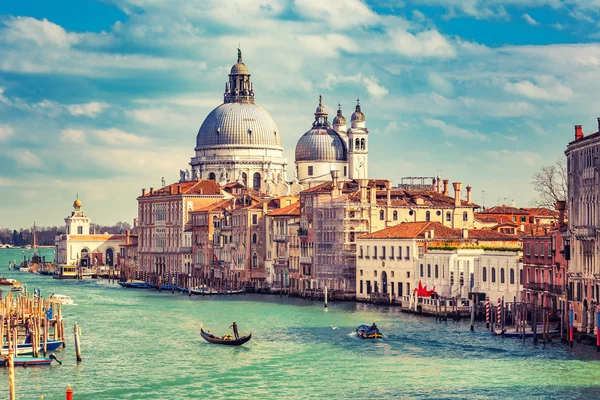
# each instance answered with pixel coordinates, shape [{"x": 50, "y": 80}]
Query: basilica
[{"x": 239, "y": 142}]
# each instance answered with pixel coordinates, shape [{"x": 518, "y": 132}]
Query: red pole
[
  {"x": 487, "y": 311},
  {"x": 69, "y": 393}
]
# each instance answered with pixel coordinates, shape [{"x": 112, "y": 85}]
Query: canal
[{"x": 140, "y": 344}]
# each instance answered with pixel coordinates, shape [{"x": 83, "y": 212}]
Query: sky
[{"x": 103, "y": 98}]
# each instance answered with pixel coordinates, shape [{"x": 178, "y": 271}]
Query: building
[
  {"x": 165, "y": 225},
  {"x": 128, "y": 257},
  {"x": 284, "y": 244},
  {"x": 239, "y": 141},
  {"x": 78, "y": 247},
  {"x": 333, "y": 214},
  {"x": 584, "y": 215},
  {"x": 396, "y": 260},
  {"x": 326, "y": 147}
]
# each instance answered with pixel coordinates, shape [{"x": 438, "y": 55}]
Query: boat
[
  {"x": 365, "y": 332},
  {"x": 66, "y": 272},
  {"x": 8, "y": 281},
  {"x": 27, "y": 348},
  {"x": 30, "y": 361},
  {"x": 512, "y": 332},
  {"x": 17, "y": 289},
  {"x": 134, "y": 284},
  {"x": 226, "y": 340},
  {"x": 60, "y": 298}
]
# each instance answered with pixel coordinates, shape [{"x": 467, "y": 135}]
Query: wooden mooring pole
[
  {"x": 325, "y": 293},
  {"x": 473, "y": 314},
  {"x": 77, "y": 344}
]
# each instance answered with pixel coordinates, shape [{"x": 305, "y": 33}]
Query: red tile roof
[
  {"x": 293, "y": 209},
  {"x": 505, "y": 210},
  {"x": 417, "y": 230},
  {"x": 200, "y": 187},
  {"x": 221, "y": 205},
  {"x": 541, "y": 212}
]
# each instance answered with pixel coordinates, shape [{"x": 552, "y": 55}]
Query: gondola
[
  {"x": 227, "y": 340},
  {"x": 365, "y": 332}
]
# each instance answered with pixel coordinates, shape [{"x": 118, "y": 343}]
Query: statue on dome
[
  {"x": 239, "y": 55},
  {"x": 181, "y": 175},
  {"x": 224, "y": 177},
  {"x": 187, "y": 174},
  {"x": 195, "y": 173}
]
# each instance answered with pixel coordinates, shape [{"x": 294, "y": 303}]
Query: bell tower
[
  {"x": 358, "y": 146},
  {"x": 77, "y": 223}
]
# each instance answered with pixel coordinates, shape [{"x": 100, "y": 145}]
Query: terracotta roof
[
  {"x": 505, "y": 210},
  {"x": 200, "y": 187},
  {"x": 417, "y": 230},
  {"x": 293, "y": 209},
  {"x": 93, "y": 238},
  {"x": 541, "y": 212},
  {"x": 221, "y": 205},
  {"x": 485, "y": 219}
]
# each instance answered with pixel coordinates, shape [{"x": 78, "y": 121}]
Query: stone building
[{"x": 284, "y": 244}]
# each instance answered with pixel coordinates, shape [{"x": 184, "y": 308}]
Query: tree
[{"x": 550, "y": 183}]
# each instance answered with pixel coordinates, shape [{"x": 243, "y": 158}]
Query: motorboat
[
  {"x": 60, "y": 298},
  {"x": 8, "y": 281},
  {"x": 368, "y": 332}
]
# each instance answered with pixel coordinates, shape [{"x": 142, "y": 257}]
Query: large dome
[
  {"x": 238, "y": 125},
  {"x": 321, "y": 144}
]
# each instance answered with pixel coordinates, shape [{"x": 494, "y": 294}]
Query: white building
[
  {"x": 395, "y": 260},
  {"x": 79, "y": 247},
  {"x": 326, "y": 147},
  {"x": 239, "y": 141}
]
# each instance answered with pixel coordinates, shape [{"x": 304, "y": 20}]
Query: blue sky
[{"x": 103, "y": 98}]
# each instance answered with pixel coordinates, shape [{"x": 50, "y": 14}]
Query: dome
[
  {"x": 320, "y": 144},
  {"x": 339, "y": 119},
  {"x": 238, "y": 125},
  {"x": 239, "y": 68},
  {"x": 358, "y": 116},
  {"x": 77, "y": 203}
]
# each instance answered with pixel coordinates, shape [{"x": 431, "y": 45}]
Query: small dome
[
  {"x": 321, "y": 110},
  {"x": 320, "y": 144},
  {"x": 339, "y": 119},
  {"x": 239, "y": 68},
  {"x": 77, "y": 203},
  {"x": 358, "y": 116}
]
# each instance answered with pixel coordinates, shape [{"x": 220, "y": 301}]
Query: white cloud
[
  {"x": 91, "y": 109},
  {"x": 25, "y": 158},
  {"x": 529, "y": 19},
  {"x": 546, "y": 88},
  {"x": 115, "y": 136},
  {"x": 505, "y": 157},
  {"x": 41, "y": 32},
  {"x": 340, "y": 14},
  {"x": 5, "y": 132},
  {"x": 423, "y": 44},
  {"x": 370, "y": 83},
  {"x": 72, "y": 136},
  {"x": 439, "y": 83},
  {"x": 453, "y": 130}
]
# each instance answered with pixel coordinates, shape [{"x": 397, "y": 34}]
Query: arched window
[
  {"x": 493, "y": 275},
  {"x": 427, "y": 216},
  {"x": 465, "y": 216},
  {"x": 501, "y": 275},
  {"x": 381, "y": 215},
  {"x": 421, "y": 270},
  {"x": 484, "y": 274},
  {"x": 512, "y": 276},
  {"x": 256, "y": 181},
  {"x": 357, "y": 144},
  {"x": 436, "y": 271},
  {"x": 254, "y": 238},
  {"x": 395, "y": 215},
  {"x": 254, "y": 261},
  {"x": 211, "y": 176},
  {"x": 244, "y": 179},
  {"x": 429, "y": 270},
  {"x": 363, "y": 144}
]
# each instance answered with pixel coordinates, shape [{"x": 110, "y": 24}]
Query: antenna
[{"x": 483, "y": 198}]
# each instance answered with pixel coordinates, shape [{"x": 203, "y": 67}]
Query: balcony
[
  {"x": 584, "y": 232},
  {"x": 281, "y": 262},
  {"x": 305, "y": 260},
  {"x": 281, "y": 238},
  {"x": 543, "y": 287},
  {"x": 302, "y": 232}
]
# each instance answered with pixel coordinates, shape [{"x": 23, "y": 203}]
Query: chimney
[
  {"x": 431, "y": 234},
  {"x": 465, "y": 233},
  {"x": 143, "y": 192},
  {"x": 265, "y": 208},
  {"x": 446, "y": 187},
  {"x": 561, "y": 206},
  {"x": 469, "y": 187},
  {"x": 178, "y": 189},
  {"x": 457, "y": 186},
  {"x": 127, "y": 236},
  {"x": 546, "y": 230},
  {"x": 363, "y": 190},
  {"x": 438, "y": 185},
  {"x": 388, "y": 192},
  {"x": 151, "y": 191},
  {"x": 578, "y": 132},
  {"x": 373, "y": 193},
  {"x": 335, "y": 175}
]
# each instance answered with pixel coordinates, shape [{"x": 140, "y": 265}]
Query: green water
[{"x": 140, "y": 344}]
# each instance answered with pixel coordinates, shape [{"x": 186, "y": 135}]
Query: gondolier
[{"x": 235, "y": 330}]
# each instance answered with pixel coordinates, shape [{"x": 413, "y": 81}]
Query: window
[
  {"x": 399, "y": 252},
  {"x": 211, "y": 176},
  {"x": 407, "y": 253},
  {"x": 528, "y": 249},
  {"x": 80, "y": 230},
  {"x": 421, "y": 270},
  {"x": 535, "y": 249},
  {"x": 501, "y": 275},
  {"x": 368, "y": 287},
  {"x": 399, "y": 289},
  {"x": 362, "y": 144},
  {"x": 514, "y": 218},
  {"x": 429, "y": 270},
  {"x": 375, "y": 287},
  {"x": 436, "y": 271},
  {"x": 374, "y": 251},
  {"x": 375, "y": 273},
  {"x": 381, "y": 215},
  {"x": 361, "y": 254},
  {"x": 254, "y": 261},
  {"x": 408, "y": 288},
  {"x": 523, "y": 219},
  {"x": 345, "y": 171},
  {"x": 395, "y": 215},
  {"x": 484, "y": 274},
  {"x": 310, "y": 170},
  {"x": 361, "y": 286},
  {"x": 392, "y": 255},
  {"x": 427, "y": 216},
  {"x": 357, "y": 144},
  {"x": 244, "y": 179},
  {"x": 448, "y": 216},
  {"x": 256, "y": 181},
  {"x": 465, "y": 216},
  {"x": 361, "y": 272},
  {"x": 254, "y": 238},
  {"x": 512, "y": 276},
  {"x": 254, "y": 219},
  {"x": 493, "y": 275},
  {"x": 521, "y": 276},
  {"x": 383, "y": 252}
]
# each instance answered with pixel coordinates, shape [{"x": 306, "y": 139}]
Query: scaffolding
[{"x": 336, "y": 224}]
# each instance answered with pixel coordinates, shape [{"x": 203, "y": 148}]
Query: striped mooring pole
[
  {"x": 499, "y": 313},
  {"x": 487, "y": 311}
]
